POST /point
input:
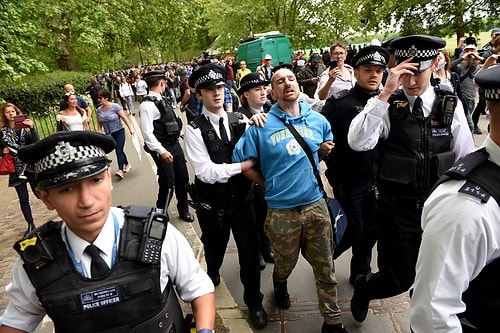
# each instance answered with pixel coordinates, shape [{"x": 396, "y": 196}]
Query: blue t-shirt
[
  {"x": 110, "y": 119},
  {"x": 289, "y": 176}
]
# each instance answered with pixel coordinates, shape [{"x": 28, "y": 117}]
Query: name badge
[
  {"x": 439, "y": 132},
  {"x": 104, "y": 296}
]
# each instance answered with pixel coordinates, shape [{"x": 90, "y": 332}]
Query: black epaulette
[
  {"x": 483, "y": 176},
  {"x": 340, "y": 94}
]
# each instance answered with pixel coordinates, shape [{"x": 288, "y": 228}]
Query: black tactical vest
[
  {"x": 168, "y": 127},
  {"x": 346, "y": 166},
  {"x": 128, "y": 299},
  {"x": 417, "y": 151},
  {"x": 220, "y": 195}
]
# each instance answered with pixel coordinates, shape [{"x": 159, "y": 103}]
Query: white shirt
[
  {"x": 461, "y": 236},
  {"x": 149, "y": 113},
  {"x": 204, "y": 168},
  {"x": 141, "y": 87},
  {"x": 373, "y": 123},
  {"x": 340, "y": 83},
  {"x": 178, "y": 263},
  {"x": 126, "y": 90}
]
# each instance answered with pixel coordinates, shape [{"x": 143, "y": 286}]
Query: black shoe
[
  {"x": 215, "y": 279},
  {"x": 258, "y": 317},
  {"x": 477, "y": 130},
  {"x": 337, "y": 328},
  {"x": 262, "y": 263},
  {"x": 359, "y": 304},
  {"x": 188, "y": 217},
  {"x": 281, "y": 296},
  {"x": 268, "y": 256}
]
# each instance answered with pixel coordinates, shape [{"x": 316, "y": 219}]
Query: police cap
[
  {"x": 250, "y": 81},
  {"x": 159, "y": 73},
  {"x": 489, "y": 80},
  {"x": 371, "y": 55},
  {"x": 68, "y": 156},
  {"x": 424, "y": 49},
  {"x": 207, "y": 76}
]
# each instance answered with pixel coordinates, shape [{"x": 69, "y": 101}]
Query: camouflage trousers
[{"x": 305, "y": 229}]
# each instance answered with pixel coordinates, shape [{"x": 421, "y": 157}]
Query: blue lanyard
[{"x": 78, "y": 266}]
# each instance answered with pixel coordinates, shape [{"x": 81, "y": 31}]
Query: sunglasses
[{"x": 69, "y": 94}]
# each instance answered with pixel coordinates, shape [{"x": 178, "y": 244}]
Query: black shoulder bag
[{"x": 337, "y": 215}]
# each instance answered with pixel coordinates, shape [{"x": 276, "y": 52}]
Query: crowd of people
[{"x": 390, "y": 120}]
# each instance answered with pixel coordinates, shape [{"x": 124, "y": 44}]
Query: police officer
[
  {"x": 253, "y": 95},
  {"x": 459, "y": 260},
  {"x": 220, "y": 190},
  {"x": 161, "y": 129},
  {"x": 350, "y": 173},
  {"x": 422, "y": 130},
  {"x": 85, "y": 271}
]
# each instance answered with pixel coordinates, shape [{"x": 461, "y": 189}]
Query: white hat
[
  {"x": 470, "y": 46},
  {"x": 268, "y": 57}
]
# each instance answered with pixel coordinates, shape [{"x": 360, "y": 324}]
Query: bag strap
[{"x": 308, "y": 152}]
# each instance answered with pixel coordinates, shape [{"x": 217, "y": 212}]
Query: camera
[{"x": 333, "y": 64}]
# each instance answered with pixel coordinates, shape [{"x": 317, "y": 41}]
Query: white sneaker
[
  {"x": 126, "y": 168},
  {"x": 119, "y": 174}
]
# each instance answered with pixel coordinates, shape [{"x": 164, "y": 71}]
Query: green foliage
[{"x": 39, "y": 94}]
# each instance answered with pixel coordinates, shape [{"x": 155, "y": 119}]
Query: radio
[{"x": 152, "y": 237}]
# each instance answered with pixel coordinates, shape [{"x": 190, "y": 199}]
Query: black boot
[
  {"x": 281, "y": 295},
  {"x": 31, "y": 227}
]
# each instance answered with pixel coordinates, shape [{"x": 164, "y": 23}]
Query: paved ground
[{"x": 139, "y": 187}]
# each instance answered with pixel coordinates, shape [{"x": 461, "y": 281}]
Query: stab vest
[
  {"x": 167, "y": 129},
  {"x": 228, "y": 194},
  {"x": 418, "y": 150},
  {"x": 345, "y": 165},
  {"x": 128, "y": 299},
  {"x": 482, "y": 297}
]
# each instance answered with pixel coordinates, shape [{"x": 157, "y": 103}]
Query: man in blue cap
[
  {"x": 350, "y": 173},
  {"x": 89, "y": 272},
  {"x": 456, "y": 285},
  {"x": 421, "y": 130}
]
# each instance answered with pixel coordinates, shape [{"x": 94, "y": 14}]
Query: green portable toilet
[{"x": 253, "y": 49}]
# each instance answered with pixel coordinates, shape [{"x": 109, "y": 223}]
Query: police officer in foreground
[
  {"x": 221, "y": 192},
  {"x": 350, "y": 173},
  {"x": 456, "y": 286},
  {"x": 95, "y": 271},
  {"x": 422, "y": 130},
  {"x": 161, "y": 129}
]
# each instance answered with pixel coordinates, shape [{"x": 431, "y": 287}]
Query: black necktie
[
  {"x": 222, "y": 130},
  {"x": 98, "y": 267},
  {"x": 418, "y": 112}
]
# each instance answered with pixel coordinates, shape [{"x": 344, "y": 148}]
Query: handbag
[
  {"x": 7, "y": 165},
  {"x": 337, "y": 215},
  {"x": 62, "y": 127}
]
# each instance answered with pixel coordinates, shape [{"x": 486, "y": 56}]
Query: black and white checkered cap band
[
  {"x": 209, "y": 77},
  {"x": 414, "y": 52},
  {"x": 65, "y": 153},
  {"x": 371, "y": 57},
  {"x": 492, "y": 94},
  {"x": 253, "y": 82}
]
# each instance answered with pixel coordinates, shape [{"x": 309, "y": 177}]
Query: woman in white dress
[{"x": 72, "y": 117}]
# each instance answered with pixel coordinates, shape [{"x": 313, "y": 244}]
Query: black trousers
[
  {"x": 172, "y": 175},
  {"x": 260, "y": 211},
  {"x": 216, "y": 230},
  {"x": 398, "y": 244},
  {"x": 360, "y": 207}
]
